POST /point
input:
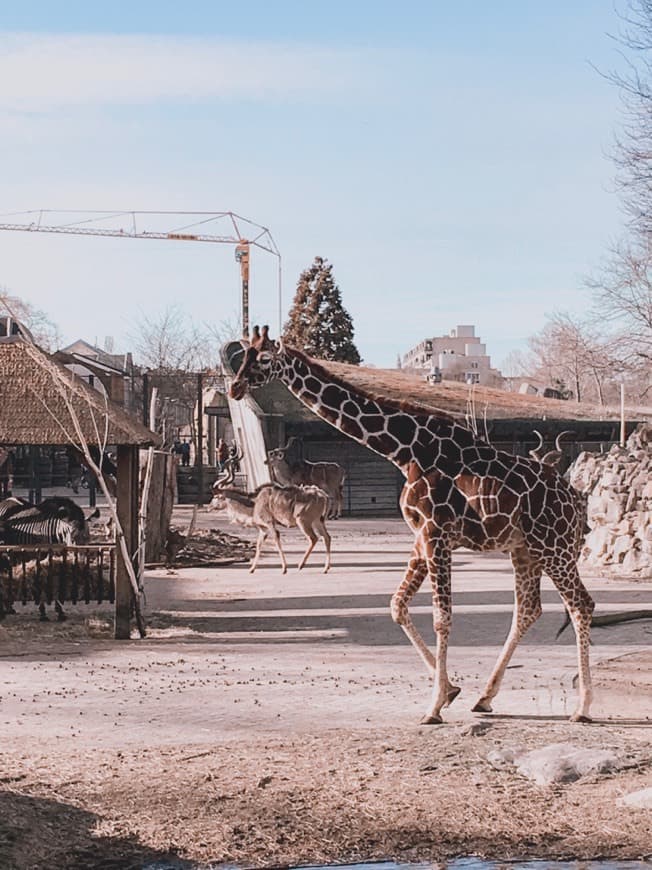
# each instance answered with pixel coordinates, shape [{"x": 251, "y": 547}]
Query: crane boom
[{"x": 243, "y": 233}]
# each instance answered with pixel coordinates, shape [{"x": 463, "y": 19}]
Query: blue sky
[{"x": 450, "y": 160}]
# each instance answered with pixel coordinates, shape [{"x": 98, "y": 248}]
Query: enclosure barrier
[{"x": 56, "y": 572}]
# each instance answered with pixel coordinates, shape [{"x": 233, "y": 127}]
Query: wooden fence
[{"x": 54, "y": 572}]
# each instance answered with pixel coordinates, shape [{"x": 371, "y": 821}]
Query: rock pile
[{"x": 618, "y": 485}]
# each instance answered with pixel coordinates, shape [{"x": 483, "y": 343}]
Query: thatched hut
[{"x": 43, "y": 404}]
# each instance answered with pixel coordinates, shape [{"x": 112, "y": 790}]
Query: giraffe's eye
[{"x": 264, "y": 358}]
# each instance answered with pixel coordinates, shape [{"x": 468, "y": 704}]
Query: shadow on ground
[{"x": 37, "y": 832}]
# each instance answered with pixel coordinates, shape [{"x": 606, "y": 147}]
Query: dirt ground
[{"x": 272, "y": 720}]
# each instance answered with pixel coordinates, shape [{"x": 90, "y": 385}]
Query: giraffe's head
[{"x": 261, "y": 364}]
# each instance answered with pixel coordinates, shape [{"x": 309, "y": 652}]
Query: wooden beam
[{"x": 127, "y": 507}]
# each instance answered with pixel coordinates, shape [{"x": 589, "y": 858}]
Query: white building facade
[{"x": 459, "y": 356}]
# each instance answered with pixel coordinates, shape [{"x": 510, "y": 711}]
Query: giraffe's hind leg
[
  {"x": 527, "y": 609},
  {"x": 580, "y": 609}
]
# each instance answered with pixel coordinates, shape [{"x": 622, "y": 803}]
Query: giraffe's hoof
[
  {"x": 578, "y": 717},
  {"x": 482, "y": 707},
  {"x": 431, "y": 720},
  {"x": 61, "y": 617},
  {"x": 453, "y": 692}
]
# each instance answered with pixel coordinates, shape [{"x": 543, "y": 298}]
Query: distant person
[
  {"x": 74, "y": 469},
  {"x": 185, "y": 452},
  {"x": 222, "y": 453}
]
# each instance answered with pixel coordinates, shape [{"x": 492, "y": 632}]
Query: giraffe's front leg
[
  {"x": 414, "y": 576},
  {"x": 438, "y": 562}
]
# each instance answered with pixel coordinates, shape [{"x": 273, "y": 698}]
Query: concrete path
[{"x": 306, "y": 651}]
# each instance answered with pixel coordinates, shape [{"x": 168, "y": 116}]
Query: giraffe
[{"x": 459, "y": 492}]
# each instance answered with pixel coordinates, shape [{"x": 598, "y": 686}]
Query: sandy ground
[{"x": 270, "y": 720}]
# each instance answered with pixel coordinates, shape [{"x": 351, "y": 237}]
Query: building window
[
  {"x": 474, "y": 365},
  {"x": 473, "y": 377}
]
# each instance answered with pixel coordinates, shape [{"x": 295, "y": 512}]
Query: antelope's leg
[
  {"x": 323, "y": 531},
  {"x": 262, "y": 537},
  {"x": 438, "y": 563},
  {"x": 309, "y": 532},
  {"x": 277, "y": 541},
  {"x": 527, "y": 609},
  {"x": 580, "y": 608},
  {"x": 410, "y": 585}
]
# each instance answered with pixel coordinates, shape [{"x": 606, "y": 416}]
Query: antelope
[
  {"x": 552, "y": 457},
  {"x": 304, "y": 507},
  {"x": 328, "y": 476}
]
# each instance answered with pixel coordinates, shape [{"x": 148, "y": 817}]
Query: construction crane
[{"x": 242, "y": 233}]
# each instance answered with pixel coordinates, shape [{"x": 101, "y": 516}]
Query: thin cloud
[{"x": 40, "y": 73}]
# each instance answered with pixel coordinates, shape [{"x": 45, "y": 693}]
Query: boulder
[
  {"x": 618, "y": 487},
  {"x": 639, "y": 800},
  {"x": 556, "y": 763}
]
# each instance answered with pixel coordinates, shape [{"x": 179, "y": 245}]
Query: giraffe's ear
[{"x": 279, "y": 344}]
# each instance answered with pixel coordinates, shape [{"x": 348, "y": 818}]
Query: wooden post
[
  {"x": 199, "y": 453},
  {"x": 212, "y": 427},
  {"x": 145, "y": 399},
  {"x": 622, "y": 414},
  {"x": 127, "y": 508}
]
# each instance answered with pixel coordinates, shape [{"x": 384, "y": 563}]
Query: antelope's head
[{"x": 279, "y": 453}]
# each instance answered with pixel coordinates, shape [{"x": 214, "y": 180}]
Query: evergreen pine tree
[{"x": 318, "y": 323}]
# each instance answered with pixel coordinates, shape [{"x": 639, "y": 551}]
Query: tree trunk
[{"x": 161, "y": 498}]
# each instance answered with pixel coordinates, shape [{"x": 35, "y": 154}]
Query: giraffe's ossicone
[{"x": 459, "y": 492}]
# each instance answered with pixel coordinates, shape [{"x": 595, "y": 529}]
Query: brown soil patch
[{"x": 336, "y": 797}]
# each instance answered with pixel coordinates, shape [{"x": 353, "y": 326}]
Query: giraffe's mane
[{"x": 386, "y": 402}]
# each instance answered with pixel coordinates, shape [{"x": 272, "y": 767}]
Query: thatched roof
[
  {"x": 33, "y": 408},
  {"x": 456, "y": 398}
]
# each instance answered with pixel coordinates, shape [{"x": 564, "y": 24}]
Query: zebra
[
  {"x": 12, "y": 505},
  {"x": 56, "y": 520}
]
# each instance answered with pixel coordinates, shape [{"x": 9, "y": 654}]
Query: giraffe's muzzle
[{"x": 237, "y": 390}]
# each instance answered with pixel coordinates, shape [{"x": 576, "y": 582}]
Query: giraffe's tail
[{"x": 564, "y": 626}]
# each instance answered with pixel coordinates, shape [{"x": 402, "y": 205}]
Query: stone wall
[{"x": 619, "y": 489}]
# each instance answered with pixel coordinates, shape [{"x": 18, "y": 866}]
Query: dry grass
[
  {"x": 339, "y": 797},
  {"x": 454, "y": 398}
]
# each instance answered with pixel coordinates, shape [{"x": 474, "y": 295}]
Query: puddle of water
[{"x": 458, "y": 864}]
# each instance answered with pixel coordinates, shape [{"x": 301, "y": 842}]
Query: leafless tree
[
  {"x": 45, "y": 332},
  {"x": 633, "y": 152},
  {"x": 623, "y": 297},
  {"x": 571, "y": 351},
  {"x": 169, "y": 341},
  {"x": 518, "y": 364}
]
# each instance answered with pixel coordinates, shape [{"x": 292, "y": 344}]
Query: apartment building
[{"x": 458, "y": 356}]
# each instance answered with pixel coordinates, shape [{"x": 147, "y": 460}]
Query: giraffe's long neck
[{"x": 402, "y": 436}]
